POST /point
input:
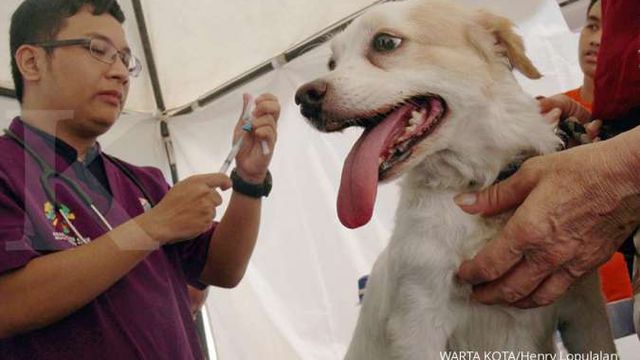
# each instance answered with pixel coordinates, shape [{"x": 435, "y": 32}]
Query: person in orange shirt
[{"x": 588, "y": 54}]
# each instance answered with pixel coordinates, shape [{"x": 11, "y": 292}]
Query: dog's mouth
[{"x": 388, "y": 141}]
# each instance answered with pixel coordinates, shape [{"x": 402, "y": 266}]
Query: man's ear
[
  {"x": 30, "y": 61},
  {"x": 505, "y": 43}
]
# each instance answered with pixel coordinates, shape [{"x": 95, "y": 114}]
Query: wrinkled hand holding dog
[{"x": 574, "y": 210}]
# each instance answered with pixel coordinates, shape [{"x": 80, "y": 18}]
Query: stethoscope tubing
[{"x": 48, "y": 172}]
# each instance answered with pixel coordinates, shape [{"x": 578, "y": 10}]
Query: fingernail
[{"x": 466, "y": 199}]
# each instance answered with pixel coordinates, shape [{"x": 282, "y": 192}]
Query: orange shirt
[
  {"x": 575, "y": 95},
  {"x": 614, "y": 279}
]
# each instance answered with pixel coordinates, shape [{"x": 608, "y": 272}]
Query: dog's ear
[{"x": 505, "y": 43}]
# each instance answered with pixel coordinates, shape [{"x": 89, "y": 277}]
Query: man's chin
[
  {"x": 99, "y": 125},
  {"x": 589, "y": 69}
]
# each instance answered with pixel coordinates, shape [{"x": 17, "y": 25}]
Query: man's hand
[
  {"x": 251, "y": 162},
  {"x": 187, "y": 210},
  {"x": 561, "y": 107},
  {"x": 557, "y": 107},
  {"x": 575, "y": 208}
]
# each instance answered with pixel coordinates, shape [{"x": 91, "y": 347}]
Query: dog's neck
[{"x": 446, "y": 229}]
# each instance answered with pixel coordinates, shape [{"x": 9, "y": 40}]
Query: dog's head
[{"x": 430, "y": 82}]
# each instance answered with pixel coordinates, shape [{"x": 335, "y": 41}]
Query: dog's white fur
[{"x": 413, "y": 307}]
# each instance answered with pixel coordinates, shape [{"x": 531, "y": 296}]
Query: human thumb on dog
[{"x": 499, "y": 197}]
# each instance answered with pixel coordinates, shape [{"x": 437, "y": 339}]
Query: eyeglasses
[{"x": 101, "y": 49}]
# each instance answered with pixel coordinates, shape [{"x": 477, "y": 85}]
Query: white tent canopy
[
  {"x": 198, "y": 45},
  {"x": 299, "y": 298}
]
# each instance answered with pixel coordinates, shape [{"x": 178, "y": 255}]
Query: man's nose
[
  {"x": 595, "y": 41},
  {"x": 119, "y": 70}
]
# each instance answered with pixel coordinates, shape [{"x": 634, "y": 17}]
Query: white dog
[{"x": 431, "y": 82}]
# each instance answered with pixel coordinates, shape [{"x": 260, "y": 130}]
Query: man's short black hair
[
  {"x": 42, "y": 20},
  {"x": 593, "y": 2}
]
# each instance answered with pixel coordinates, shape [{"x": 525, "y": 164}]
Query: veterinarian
[
  {"x": 589, "y": 45},
  {"x": 95, "y": 252},
  {"x": 576, "y": 207}
]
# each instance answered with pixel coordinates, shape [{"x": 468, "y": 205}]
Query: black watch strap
[{"x": 252, "y": 190}]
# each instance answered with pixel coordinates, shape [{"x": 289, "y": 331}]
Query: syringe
[{"x": 247, "y": 127}]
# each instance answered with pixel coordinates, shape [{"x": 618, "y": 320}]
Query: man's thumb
[{"x": 497, "y": 198}]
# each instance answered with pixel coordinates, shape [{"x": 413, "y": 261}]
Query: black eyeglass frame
[{"x": 124, "y": 56}]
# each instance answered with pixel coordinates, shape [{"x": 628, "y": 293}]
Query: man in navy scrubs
[{"x": 73, "y": 288}]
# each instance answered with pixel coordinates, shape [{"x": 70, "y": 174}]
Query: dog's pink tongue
[{"x": 359, "y": 184}]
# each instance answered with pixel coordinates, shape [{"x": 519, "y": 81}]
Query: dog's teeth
[
  {"x": 384, "y": 166},
  {"x": 415, "y": 119}
]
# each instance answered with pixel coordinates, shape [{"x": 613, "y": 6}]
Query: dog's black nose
[{"x": 311, "y": 94}]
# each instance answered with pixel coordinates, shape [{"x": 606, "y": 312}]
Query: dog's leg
[
  {"x": 369, "y": 342},
  {"x": 583, "y": 321}
]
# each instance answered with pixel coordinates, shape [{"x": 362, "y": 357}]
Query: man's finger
[
  {"x": 216, "y": 198},
  {"x": 266, "y": 97},
  {"x": 265, "y": 120},
  {"x": 547, "y": 104},
  {"x": 246, "y": 99},
  {"x": 553, "y": 116},
  {"x": 550, "y": 290},
  {"x": 267, "y": 108},
  {"x": 217, "y": 180},
  {"x": 593, "y": 128},
  {"x": 568, "y": 106},
  {"x": 267, "y": 134},
  {"x": 499, "y": 197},
  {"x": 516, "y": 285}
]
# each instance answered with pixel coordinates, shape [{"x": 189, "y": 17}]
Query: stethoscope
[{"x": 48, "y": 172}]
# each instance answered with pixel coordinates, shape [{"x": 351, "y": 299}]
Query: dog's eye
[
  {"x": 386, "y": 42},
  {"x": 331, "y": 64}
]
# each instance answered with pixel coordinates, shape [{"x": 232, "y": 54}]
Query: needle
[{"x": 247, "y": 127}]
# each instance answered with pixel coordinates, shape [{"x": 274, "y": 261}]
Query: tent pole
[
  {"x": 155, "y": 84},
  {"x": 10, "y": 93},
  {"x": 148, "y": 55},
  {"x": 168, "y": 147},
  {"x": 567, "y": 2}
]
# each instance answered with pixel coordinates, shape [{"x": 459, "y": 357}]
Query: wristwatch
[{"x": 250, "y": 189}]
